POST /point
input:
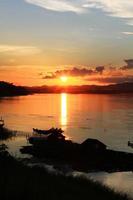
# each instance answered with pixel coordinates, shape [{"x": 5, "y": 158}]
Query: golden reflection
[{"x": 63, "y": 109}]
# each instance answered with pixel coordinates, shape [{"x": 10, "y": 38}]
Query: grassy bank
[{"x": 18, "y": 181}]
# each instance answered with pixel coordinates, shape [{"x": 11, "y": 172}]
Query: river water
[{"x": 108, "y": 118}]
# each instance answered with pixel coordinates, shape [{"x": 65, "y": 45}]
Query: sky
[{"x": 85, "y": 40}]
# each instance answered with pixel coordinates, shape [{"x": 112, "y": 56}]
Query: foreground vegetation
[
  {"x": 22, "y": 182},
  {"x": 6, "y": 134}
]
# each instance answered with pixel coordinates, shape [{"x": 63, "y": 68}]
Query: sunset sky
[{"x": 86, "y": 41}]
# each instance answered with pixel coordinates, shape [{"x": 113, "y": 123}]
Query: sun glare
[{"x": 64, "y": 78}]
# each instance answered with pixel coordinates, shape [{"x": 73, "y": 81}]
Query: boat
[
  {"x": 1, "y": 123},
  {"x": 36, "y": 139},
  {"x": 49, "y": 131},
  {"x": 52, "y": 137},
  {"x": 39, "y": 131}
]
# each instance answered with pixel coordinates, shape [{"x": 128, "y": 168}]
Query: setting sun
[{"x": 64, "y": 78}]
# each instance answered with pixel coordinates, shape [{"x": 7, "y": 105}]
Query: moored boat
[
  {"x": 49, "y": 131},
  {"x": 36, "y": 139},
  {"x": 54, "y": 136}
]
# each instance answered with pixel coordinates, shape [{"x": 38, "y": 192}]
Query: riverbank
[
  {"x": 22, "y": 182},
  {"x": 6, "y": 134},
  {"x": 90, "y": 155}
]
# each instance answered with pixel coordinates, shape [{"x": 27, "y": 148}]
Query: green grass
[{"x": 18, "y": 181}]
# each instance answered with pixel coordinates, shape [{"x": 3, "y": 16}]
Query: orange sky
[
  {"x": 33, "y": 75},
  {"x": 39, "y": 37}
]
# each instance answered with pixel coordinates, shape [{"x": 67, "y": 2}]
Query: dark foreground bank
[
  {"x": 91, "y": 154},
  {"x": 22, "y": 182},
  {"x": 6, "y": 134}
]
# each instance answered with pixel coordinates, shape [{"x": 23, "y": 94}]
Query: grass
[{"x": 18, "y": 181}]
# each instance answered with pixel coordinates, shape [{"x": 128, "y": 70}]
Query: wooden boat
[
  {"x": 1, "y": 123},
  {"x": 36, "y": 139},
  {"x": 52, "y": 137},
  {"x": 41, "y": 132},
  {"x": 46, "y": 132}
]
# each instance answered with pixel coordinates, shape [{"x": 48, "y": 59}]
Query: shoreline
[
  {"x": 79, "y": 156},
  {"x": 37, "y": 184}
]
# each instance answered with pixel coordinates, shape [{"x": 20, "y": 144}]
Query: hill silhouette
[
  {"x": 86, "y": 89},
  {"x": 9, "y": 89}
]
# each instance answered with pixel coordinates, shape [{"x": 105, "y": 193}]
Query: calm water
[{"x": 108, "y": 118}]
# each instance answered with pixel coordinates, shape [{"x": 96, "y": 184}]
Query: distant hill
[
  {"x": 8, "y": 89},
  {"x": 84, "y": 89}
]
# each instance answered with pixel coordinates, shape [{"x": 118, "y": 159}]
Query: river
[{"x": 108, "y": 118}]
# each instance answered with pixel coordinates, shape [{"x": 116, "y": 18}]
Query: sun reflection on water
[{"x": 64, "y": 110}]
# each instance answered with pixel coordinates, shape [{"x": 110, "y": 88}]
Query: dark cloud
[
  {"x": 129, "y": 65},
  {"x": 100, "y": 69},
  {"x": 112, "y": 79},
  {"x": 52, "y": 76},
  {"x": 75, "y": 72}
]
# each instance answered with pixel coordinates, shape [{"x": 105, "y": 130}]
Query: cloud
[
  {"x": 111, "y": 79},
  {"x": 74, "y": 72},
  {"x": 50, "y": 76},
  {"x": 129, "y": 65},
  {"x": 100, "y": 69},
  {"x": 59, "y": 5},
  {"x": 130, "y": 22},
  {"x": 98, "y": 74},
  {"x": 117, "y": 8},
  {"x": 19, "y": 50},
  {"x": 128, "y": 33}
]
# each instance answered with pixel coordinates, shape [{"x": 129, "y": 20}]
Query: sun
[{"x": 64, "y": 78}]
